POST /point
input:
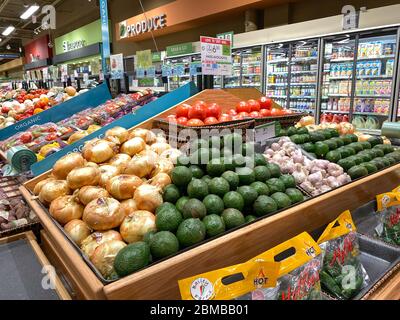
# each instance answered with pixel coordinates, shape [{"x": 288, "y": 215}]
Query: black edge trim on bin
[
  {"x": 37, "y": 64},
  {"x": 87, "y": 51}
]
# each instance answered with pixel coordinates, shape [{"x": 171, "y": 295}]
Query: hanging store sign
[
  {"x": 144, "y": 59},
  {"x": 69, "y": 46},
  {"x": 180, "y": 49},
  {"x": 128, "y": 30},
  {"x": 117, "y": 66},
  {"x": 216, "y": 58}
]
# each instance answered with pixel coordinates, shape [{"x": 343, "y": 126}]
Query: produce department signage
[
  {"x": 127, "y": 30},
  {"x": 69, "y": 46},
  {"x": 216, "y": 58}
]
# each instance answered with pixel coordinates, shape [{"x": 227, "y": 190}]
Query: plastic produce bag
[
  {"x": 342, "y": 273},
  {"x": 231, "y": 282},
  {"x": 300, "y": 263},
  {"x": 388, "y": 205}
]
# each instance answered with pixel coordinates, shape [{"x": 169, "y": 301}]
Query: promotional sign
[
  {"x": 156, "y": 57},
  {"x": 151, "y": 72},
  {"x": 150, "y": 110},
  {"x": 117, "y": 66},
  {"x": 180, "y": 49},
  {"x": 45, "y": 72},
  {"x": 139, "y": 73},
  {"x": 165, "y": 70},
  {"x": 92, "y": 98},
  {"x": 226, "y": 36},
  {"x": 144, "y": 59},
  {"x": 194, "y": 67},
  {"x": 64, "y": 70},
  {"x": 216, "y": 58},
  {"x": 105, "y": 35}
]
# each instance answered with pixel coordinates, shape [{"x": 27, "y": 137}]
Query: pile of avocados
[{"x": 358, "y": 159}]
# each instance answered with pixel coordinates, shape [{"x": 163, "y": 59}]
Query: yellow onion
[
  {"x": 92, "y": 128},
  {"x": 161, "y": 139},
  {"x": 106, "y": 173},
  {"x": 65, "y": 208},
  {"x": 148, "y": 197},
  {"x": 77, "y": 136},
  {"x": 71, "y": 91},
  {"x": 160, "y": 147},
  {"x": 120, "y": 133},
  {"x": 171, "y": 154},
  {"x": 65, "y": 165},
  {"x": 89, "y": 193},
  {"x": 133, "y": 146},
  {"x": 97, "y": 238},
  {"x": 128, "y": 206},
  {"x": 103, "y": 214},
  {"x": 120, "y": 161},
  {"x": 136, "y": 224},
  {"x": 91, "y": 164},
  {"x": 160, "y": 180},
  {"x": 147, "y": 135},
  {"x": 141, "y": 166},
  {"x": 77, "y": 230},
  {"x": 52, "y": 190},
  {"x": 163, "y": 166},
  {"x": 104, "y": 255},
  {"x": 83, "y": 176},
  {"x": 99, "y": 151},
  {"x": 147, "y": 152},
  {"x": 40, "y": 185},
  {"x": 123, "y": 186}
]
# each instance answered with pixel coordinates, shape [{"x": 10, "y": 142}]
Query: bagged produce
[
  {"x": 298, "y": 272},
  {"x": 231, "y": 282},
  {"x": 388, "y": 210},
  {"x": 343, "y": 274}
]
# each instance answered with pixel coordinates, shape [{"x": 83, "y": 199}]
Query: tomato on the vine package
[
  {"x": 343, "y": 274},
  {"x": 388, "y": 206},
  {"x": 231, "y": 282},
  {"x": 300, "y": 263}
]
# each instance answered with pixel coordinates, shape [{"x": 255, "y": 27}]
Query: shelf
[
  {"x": 277, "y": 84},
  {"x": 302, "y": 97},
  {"x": 250, "y": 63},
  {"x": 302, "y": 110},
  {"x": 371, "y": 114},
  {"x": 338, "y": 78},
  {"x": 339, "y": 95},
  {"x": 304, "y": 71},
  {"x": 374, "y": 77},
  {"x": 304, "y": 59},
  {"x": 251, "y": 75},
  {"x": 278, "y": 73},
  {"x": 341, "y": 59},
  {"x": 277, "y": 61},
  {"x": 372, "y": 96},
  {"x": 335, "y": 111},
  {"x": 303, "y": 84},
  {"x": 276, "y": 97},
  {"x": 375, "y": 58}
]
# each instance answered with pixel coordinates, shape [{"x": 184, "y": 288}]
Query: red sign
[
  {"x": 38, "y": 49},
  {"x": 215, "y": 41}
]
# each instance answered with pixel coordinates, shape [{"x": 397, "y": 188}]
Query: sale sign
[{"x": 216, "y": 58}]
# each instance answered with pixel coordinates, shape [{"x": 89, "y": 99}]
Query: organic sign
[{"x": 216, "y": 58}]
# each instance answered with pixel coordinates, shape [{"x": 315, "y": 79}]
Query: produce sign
[
  {"x": 93, "y": 97},
  {"x": 343, "y": 274},
  {"x": 389, "y": 217}
]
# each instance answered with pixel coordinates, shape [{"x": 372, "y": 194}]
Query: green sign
[
  {"x": 79, "y": 38},
  {"x": 226, "y": 36},
  {"x": 144, "y": 59},
  {"x": 179, "y": 49},
  {"x": 156, "y": 56}
]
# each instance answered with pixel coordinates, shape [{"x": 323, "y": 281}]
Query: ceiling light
[
  {"x": 31, "y": 10},
  {"x": 8, "y": 30}
]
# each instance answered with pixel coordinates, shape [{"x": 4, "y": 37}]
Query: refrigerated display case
[
  {"x": 234, "y": 80},
  {"x": 182, "y": 70}
]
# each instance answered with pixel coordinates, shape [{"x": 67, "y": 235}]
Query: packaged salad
[
  {"x": 231, "y": 282},
  {"x": 388, "y": 211},
  {"x": 343, "y": 274}
]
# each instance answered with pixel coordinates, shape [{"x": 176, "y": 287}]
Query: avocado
[
  {"x": 281, "y": 199},
  {"x": 233, "y": 218},
  {"x": 357, "y": 172},
  {"x": 198, "y": 189},
  {"x": 276, "y": 185},
  {"x": 321, "y": 149},
  {"x": 214, "y": 224},
  {"x": 163, "y": 244},
  {"x": 356, "y": 146},
  {"x": 308, "y": 147},
  {"x": 317, "y": 136},
  {"x": 190, "y": 232},
  {"x": 346, "y": 163},
  {"x": 331, "y": 144},
  {"x": 375, "y": 141},
  {"x": 295, "y": 195},
  {"x": 264, "y": 205},
  {"x": 371, "y": 167},
  {"x": 194, "y": 208},
  {"x": 168, "y": 219},
  {"x": 213, "y": 204},
  {"x": 218, "y": 186},
  {"x": 171, "y": 193},
  {"x": 366, "y": 145},
  {"x": 333, "y": 156},
  {"x": 131, "y": 258}
]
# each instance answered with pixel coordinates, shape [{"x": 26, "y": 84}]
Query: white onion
[
  {"x": 163, "y": 166},
  {"x": 83, "y": 176},
  {"x": 120, "y": 160},
  {"x": 141, "y": 166},
  {"x": 148, "y": 197},
  {"x": 97, "y": 238},
  {"x": 106, "y": 173},
  {"x": 104, "y": 255},
  {"x": 77, "y": 136},
  {"x": 136, "y": 224},
  {"x": 91, "y": 164},
  {"x": 120, "y": 133},
  {"x": 99, "y": 151},
  {"x": 133, "y": 146},
  {"x": 171, "y": 154},
  {"x": 160, "y": 180},
  {"x": 160, "y": 147},
  {"x": 161, "y": 139},
  {"x": 103, "y": 214},
  {"x": 52, "y": 190},
  {"x": 147, "y": 135},
  {"x": 40, "y": 185},
  {"x": 128, "y": 206},
  {"x": 87, "y": 194},
  {"x": 123, "y": 186},
  {"x": 77, "y": 230},
  {"x": 65, "y": 165},
  {"x": 65, "y": 208}
]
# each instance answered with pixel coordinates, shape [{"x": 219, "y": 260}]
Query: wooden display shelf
[{"x": 160, "y": 281}]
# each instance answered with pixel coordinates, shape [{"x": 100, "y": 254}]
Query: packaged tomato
[
  {"x": 343, "y": 274},
  {"x": 388, "y": 213}
]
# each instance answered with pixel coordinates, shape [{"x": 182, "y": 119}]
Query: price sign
[
  {"x": 216, "y": 58},
  {"x": 264, "y": 132}
]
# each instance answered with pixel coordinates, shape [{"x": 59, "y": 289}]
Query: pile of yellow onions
[{"x": 106, "y": 196}]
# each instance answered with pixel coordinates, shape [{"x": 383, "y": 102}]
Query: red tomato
[
  {"x": 210, "y": 120},
  {"x": 243, "y": 114},
  {"x": 52, "y": 136},
  {"x": 243, "y": 106},
  {"x": 171, "y": 118},
  {"x": 183, "y": 110},
  {"x": 201, "y": 103},
  {"x": 197, "y": 111},
  {"x": 254, "y": 114},
  {"x": 195, "y": 123},
  {"x": 225, "y": 117},
  {"x": 265, "y": 103},
  {"x": 182, "y": 120},
  {"x": 232, "y": 112},
  {"x": 237, "y": 117},
  {"x": 265, "y": 112},
  {"x": 26, "y": 137},
  {"x": 5, "y": 109},
  {"x": 213, "y": 110},
  {"x": 254, "y": 105},
  {"x": 276, "y": 112}
]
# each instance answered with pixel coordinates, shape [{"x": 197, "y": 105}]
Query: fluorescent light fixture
[
  {"x": 8, "y": 30},
  {"x": 30, "y": 11}
]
